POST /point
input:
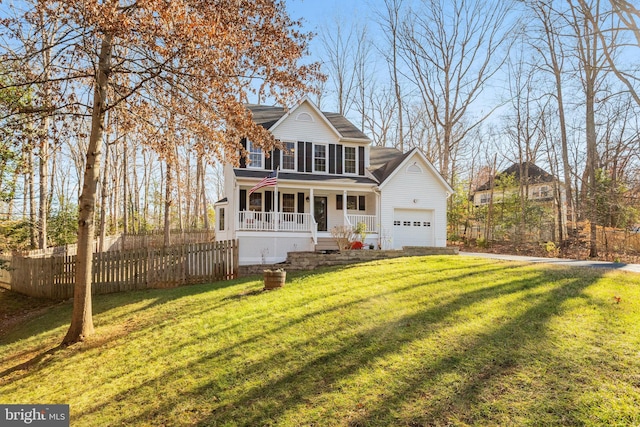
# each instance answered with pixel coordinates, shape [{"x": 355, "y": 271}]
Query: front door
[{"x": 320, "y": 212}]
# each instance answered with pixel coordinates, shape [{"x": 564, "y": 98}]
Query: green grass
[{"x": 414, "y": 341}]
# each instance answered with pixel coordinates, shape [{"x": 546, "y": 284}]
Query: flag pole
[{"x": 275, "y": 201}]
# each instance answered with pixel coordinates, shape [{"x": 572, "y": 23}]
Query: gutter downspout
[{"x": 378, "y": 193}]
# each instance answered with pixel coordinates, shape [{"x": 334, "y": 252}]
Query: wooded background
[{"x": 477, "y": 85}]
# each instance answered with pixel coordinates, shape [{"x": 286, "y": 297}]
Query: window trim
[
  {"x": 344, "y": 160},
  {"x": 255, "y": 195},
  {"x": 293, "y": 202},
  {"x": 250, "y": 163},
  {"x": 326, "y": 157},
  {"x": 293, "y": 155},
  {"x": 221, "y": 219}
]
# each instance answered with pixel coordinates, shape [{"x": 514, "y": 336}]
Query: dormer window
[{"x": 256, "y": 156}]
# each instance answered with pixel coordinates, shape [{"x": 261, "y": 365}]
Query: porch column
[
  {"x": 311, "y": 201},
  {"x": 235, "y": 210},
  {"x": 345, "y": 220},
  {"x": 377, "y": 212}
]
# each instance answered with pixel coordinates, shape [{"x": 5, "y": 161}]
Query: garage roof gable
[{"x": 405, "y": 160}]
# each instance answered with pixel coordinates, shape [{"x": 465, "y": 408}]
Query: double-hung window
[
  {"x": 256, "y": 156},
  {"x": 289, "y": 156},
  {"x": 350, "y": 160},
  {"x": 319, "y": 158}
]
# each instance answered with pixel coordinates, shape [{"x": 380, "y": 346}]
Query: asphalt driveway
[{"x": 558, "y": 261}]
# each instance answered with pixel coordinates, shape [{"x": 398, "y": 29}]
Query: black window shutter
[
  {"x": 243, "y": 159},
  {"x": 361, "y": 205},
  {"x": 360, "y": 160},
  {"x": 300, "y": 156},
  {"x": 268, "y": 161},
  {"x": 309, "y": 157},
  {"x": 339, "y": 159},
  {"x": 268, "y": 201},
  {"x": 276, "y": 158},
  {"x": 300, "y": 206},
  {"x": 332, "y": 158},
  {"x": 339, "y": 202},
  {"x": 243, "y": 200}
]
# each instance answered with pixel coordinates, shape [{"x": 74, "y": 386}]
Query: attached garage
[{"x": 413, "y": 227}]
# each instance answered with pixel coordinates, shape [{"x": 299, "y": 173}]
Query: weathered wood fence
[
  {"x": 142, "y": 268},
  {"x": 124, "y": 241}
]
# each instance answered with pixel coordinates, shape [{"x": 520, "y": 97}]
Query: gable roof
[
  {"x": 536, "y": 175},
  {"x": 268, "y": 116},
  {"x": 385, "y": 162}
]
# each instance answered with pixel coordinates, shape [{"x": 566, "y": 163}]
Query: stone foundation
[{"x": 301, "y": 261}]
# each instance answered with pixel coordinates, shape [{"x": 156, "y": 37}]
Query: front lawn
[{"x": 413, "y": 341}]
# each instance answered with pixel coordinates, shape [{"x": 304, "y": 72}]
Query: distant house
[
  {"x": 539, "y": 183},
  {"x": 327, "y": 175}
]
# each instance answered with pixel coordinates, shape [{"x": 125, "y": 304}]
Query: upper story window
[
  {"x": 319, "y": 158},
  {"x": 256, "y": 156},
  {"x": 350, "y": 160},
  {"x": 289, "y": 156}
]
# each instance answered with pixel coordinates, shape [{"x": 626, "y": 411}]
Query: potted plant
[{"x": 274, "y": 279}]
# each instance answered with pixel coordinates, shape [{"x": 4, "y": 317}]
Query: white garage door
[{"x": 412, "y": 227}]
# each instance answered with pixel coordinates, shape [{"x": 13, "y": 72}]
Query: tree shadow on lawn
[
  {"x": 299, "y": 386},
  {"x": 263, "y": 318},
  {"x": 59, "y": 315}
]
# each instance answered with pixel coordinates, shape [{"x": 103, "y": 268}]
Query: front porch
[{"x": 285, "y": 222}]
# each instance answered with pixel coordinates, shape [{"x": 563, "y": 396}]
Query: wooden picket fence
[{"x": 142, "y": 268}]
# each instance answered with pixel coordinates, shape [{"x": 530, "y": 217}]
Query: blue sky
[{"x": 318, "y": 12}]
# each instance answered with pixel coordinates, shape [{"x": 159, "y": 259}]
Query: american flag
[{"x": 269, "y": 181}]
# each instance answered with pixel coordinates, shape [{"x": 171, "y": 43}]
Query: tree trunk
[
  {"x": 103, "y": 200},
  {"x": 204, "y": 194},
  {"x": 82, "y": 318},
  {"x": 591, "y": 167},
  {"x": 167, "y": 206},
  {"x": 125, "y": 188},
  {"x": 44, "y": 183},
  {"x": 32, "y": 201}
]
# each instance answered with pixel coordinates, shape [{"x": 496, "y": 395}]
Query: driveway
[{"x": 558, "y": 261}]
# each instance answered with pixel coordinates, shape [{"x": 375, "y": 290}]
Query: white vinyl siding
[{"x": 414, "y": 193}]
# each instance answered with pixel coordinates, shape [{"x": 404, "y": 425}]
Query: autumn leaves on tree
[{"x": 183, "y": 65}]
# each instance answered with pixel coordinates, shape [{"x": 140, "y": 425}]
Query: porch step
[{"x": 326, "y": 244}]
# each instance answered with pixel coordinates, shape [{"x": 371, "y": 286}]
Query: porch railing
[
  {"x": 275, "y": 221},
  {"x": 369, "y": 220}
]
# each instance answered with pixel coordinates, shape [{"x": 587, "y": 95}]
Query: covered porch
[{"x": 312, "y": 211}]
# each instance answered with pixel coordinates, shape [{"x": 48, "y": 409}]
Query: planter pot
[{"x": 274, "y": 279}]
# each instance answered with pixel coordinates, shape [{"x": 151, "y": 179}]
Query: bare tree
[
  {"x": 390, "y": 23},
  {"x": 553, "y": 59},
  {"x": 453, "y": 49},
  {"x": 344, "y": 51}
]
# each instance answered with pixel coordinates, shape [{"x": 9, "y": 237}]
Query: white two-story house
[{"x": 328, "y": 175}]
